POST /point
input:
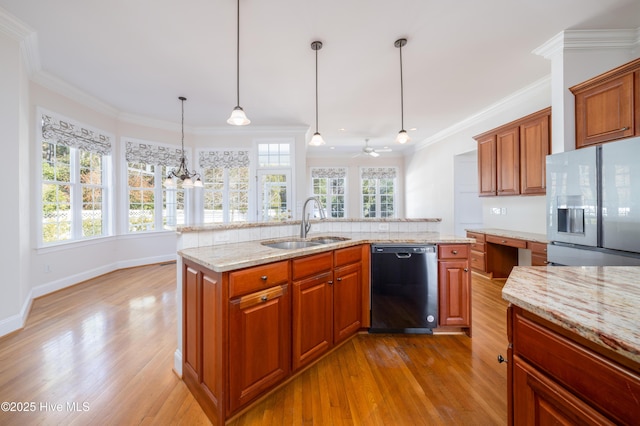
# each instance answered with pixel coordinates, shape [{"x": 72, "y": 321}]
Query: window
[
  {"x": 75, "y": 170},
  {"x": 329, "y": 186},
  {"x": 226, "y": 185},
  {"x": 378, "y": 191},
  {"x": 274, "y": 180},
  {"x": 152, "y": 207}
]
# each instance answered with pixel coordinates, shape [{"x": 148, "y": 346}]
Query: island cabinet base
[
  {"x": 248, "y": 331},
  {"x": 558, "y": 377}
]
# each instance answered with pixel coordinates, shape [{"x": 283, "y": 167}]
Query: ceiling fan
[{"x": 367, "y": 150}]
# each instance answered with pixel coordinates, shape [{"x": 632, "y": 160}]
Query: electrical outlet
[
  {"x": 496, "y": 211},
  {"x": 503, "y": 211}
]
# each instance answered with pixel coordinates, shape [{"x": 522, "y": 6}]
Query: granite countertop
[
  {"x": 528, "y": 236},
  {"x": 599, "y": 303},
  {"x": 228, "y": 257}
]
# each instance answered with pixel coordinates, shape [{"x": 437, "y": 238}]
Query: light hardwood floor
[{"x": 102, "y": 353}]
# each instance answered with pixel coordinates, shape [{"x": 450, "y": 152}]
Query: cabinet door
[
  {"x": 508, "y": 161},
  {"x": 534, "y": 148},
  {"x": 454, "y": 280},
  {"x": 259, "y": 344},
  {"x": 312, "y": 318},
  {"x": 487, "y": 166},
  {"x": 538, "y": 400},
  {"x": 192, "y": 320},
  {"x": 347, "y": 301},
  {"x": 605, "y": 112}
]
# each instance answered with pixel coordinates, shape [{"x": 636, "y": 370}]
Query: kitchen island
[
  {"x": 574, "y": 344},
  {"x": 254, "y": 316}
]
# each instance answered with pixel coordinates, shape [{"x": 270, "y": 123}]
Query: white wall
[{"x": 430, "y": 172}]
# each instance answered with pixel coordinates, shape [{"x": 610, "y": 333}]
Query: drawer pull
[
  {"x": 624, "y": 128},
  {"x": 504, "y": 241},
  {"x": 264, "y": 298},
  {"x": 339, "y": 279},
  {"x": 454, "y": 251},
  {"x": 501, "y": 359},
  {"x": 466, "y": 269},
  {"x": 263, "y": 278},
  {"x": 330, "y": 282}
]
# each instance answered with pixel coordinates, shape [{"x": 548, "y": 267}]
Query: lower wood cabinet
[
  {"x": 557, "y": 377},
  {"x": 454, "y": 286},
  {"x": 247, "y": 331}
]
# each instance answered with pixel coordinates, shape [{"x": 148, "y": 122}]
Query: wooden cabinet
[
  {"x": 538, "y": 253},
  {"x": 534, "y": 148},
  {"x": 608, "y": 106},
  {"x": 487, "y": 165},
  {"x": 557, "y": 377},
  {"x": 260, "y": 344},
  {"x": 511, "y": 158},
  {"x": 454, "y": 286},
  {"x": 246, "y": 331},
  {"x": 508, "y": 161},
  {"x": 478, "y": 252}
]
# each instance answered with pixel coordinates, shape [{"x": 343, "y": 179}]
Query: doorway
[{"x": 467, "y": 205}]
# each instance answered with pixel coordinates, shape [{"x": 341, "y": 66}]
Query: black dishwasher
[{"x": 404, "y": 288}]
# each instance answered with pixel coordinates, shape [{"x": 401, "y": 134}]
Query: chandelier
[{"x": 182, "y": 172}]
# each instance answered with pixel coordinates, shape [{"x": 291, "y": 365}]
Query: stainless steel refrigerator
[{"x": 593, "y": 205}]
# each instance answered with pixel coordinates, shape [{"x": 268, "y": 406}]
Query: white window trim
[
  {"x": 255, "y": 169},
  {"x": 395, "y": 191},
  {"x": 346, "y": 186},
  {"x": 107, "y": 174}
]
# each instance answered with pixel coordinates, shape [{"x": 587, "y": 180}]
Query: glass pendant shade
[
  {"x": 403, "y": 137},
  {"x": 198, "y": 183},
  {"x": 316, "y": 140},
  {"x": 187, "y": 183},
  {"x": 169, "y": 182},
  {"x": 238, "y": 117}
]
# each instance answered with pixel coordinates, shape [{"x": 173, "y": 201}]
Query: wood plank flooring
[{"x": 102, "y": 353}]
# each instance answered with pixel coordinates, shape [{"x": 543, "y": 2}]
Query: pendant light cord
[
  {"x": 316, "y": 90},
  {"x": 238, "y": 56},
  {"x": 401, "y": 92}
]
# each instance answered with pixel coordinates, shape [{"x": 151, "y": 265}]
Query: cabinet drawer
[
  {"x": 579, "y": 369},
  {"x": 512, "y": 242},
  {"x": 480, "y": 247},
  {"x": 311, "y": 265},
  {"x": 478, "y": 261},
  {"x": 453, "y": 251},
  {"x": 348, "y": 255},
  {"x": 477, "y": 235},
  {"x": 258, "y": 278},
  {"x": 537, "y": 247},
  {"x": 538, "y": 259}
]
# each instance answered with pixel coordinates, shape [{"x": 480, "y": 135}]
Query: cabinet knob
[
  {"x": 263, "y": 278},
  {"x": 454, "y": 251},
  {"x": 466, "y": 269},
  {"x": 264, "y": 298},
  {"x": 624, "y": 128},
  {"x": 501, "y": 359},
  {"x": 339, "y": 279},
  {"x": 504, "y": 241},
  {"x": 330, "y": 282}
]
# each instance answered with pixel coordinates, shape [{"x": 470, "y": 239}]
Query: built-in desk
[{"x": 495, "y": 251}]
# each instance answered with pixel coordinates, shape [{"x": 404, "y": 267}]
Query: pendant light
[
  {"x": 238, "y": 117},
  {"x": 316, "y": 140},
  {"x": 403, "y": 136},
  {"x": 182, "y": 172}
]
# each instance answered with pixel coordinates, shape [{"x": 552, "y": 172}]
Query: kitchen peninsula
[
  {"x": 574, "y": 345},
  {"x": 254, "y": 316}
]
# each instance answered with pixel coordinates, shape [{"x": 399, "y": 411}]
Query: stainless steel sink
[
  {"x": 298, "y": 243},
  {"x": 291, "y": 244}
]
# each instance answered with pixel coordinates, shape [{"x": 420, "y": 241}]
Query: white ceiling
[{"x": 138, "y": 56}]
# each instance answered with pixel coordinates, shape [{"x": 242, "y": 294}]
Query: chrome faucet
[{"x": 305, "y": 225}]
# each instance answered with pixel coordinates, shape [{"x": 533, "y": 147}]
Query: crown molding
[
  {"x": 501, "y": 106},
  {"x": 588, "y": 40},
  {"x": 13, "y": 27}
]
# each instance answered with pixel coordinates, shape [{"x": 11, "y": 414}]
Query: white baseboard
[
  {"x": 177, "y": 362},
  {"x": 16, "y": 322}
]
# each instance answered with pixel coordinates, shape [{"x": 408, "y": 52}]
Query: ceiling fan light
[
  {"x": 238, "y": 117},
  {"x": 403, "y": 137},
  {"x": 316, "y": 140},
  {"x": 374, "y": 154}
]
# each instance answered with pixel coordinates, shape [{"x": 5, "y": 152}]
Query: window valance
[
  {"x": 149, "y": 153},
  {"x": 226, "y": 159},
  {"x": 378, "y": 172},
  {"x": 74, "y": 135},
  {"x": 329, "y": 172}
]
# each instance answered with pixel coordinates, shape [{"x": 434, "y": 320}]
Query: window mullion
[{"x": 76, "y": 195}]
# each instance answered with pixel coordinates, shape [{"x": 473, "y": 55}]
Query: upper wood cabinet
[
  {"x": 608, "y": 106},
  {"x": 511, "y": 158}
]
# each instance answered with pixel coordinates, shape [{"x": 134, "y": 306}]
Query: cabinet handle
[
  {"x": 263, "y": 278},
  {"x": 339, "y": 279},
  {"x": 264, "y": 298},
  {"x": 501, "y": 359},
  {"x": 466, "y": 269},
  {"x": 546, "y": 262},
  {"x": 330, "y": 282},
  {"x": 624, "y": 128},
  {"x": 454, "y": 251},
  {"x": 504, "y": 241}
]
